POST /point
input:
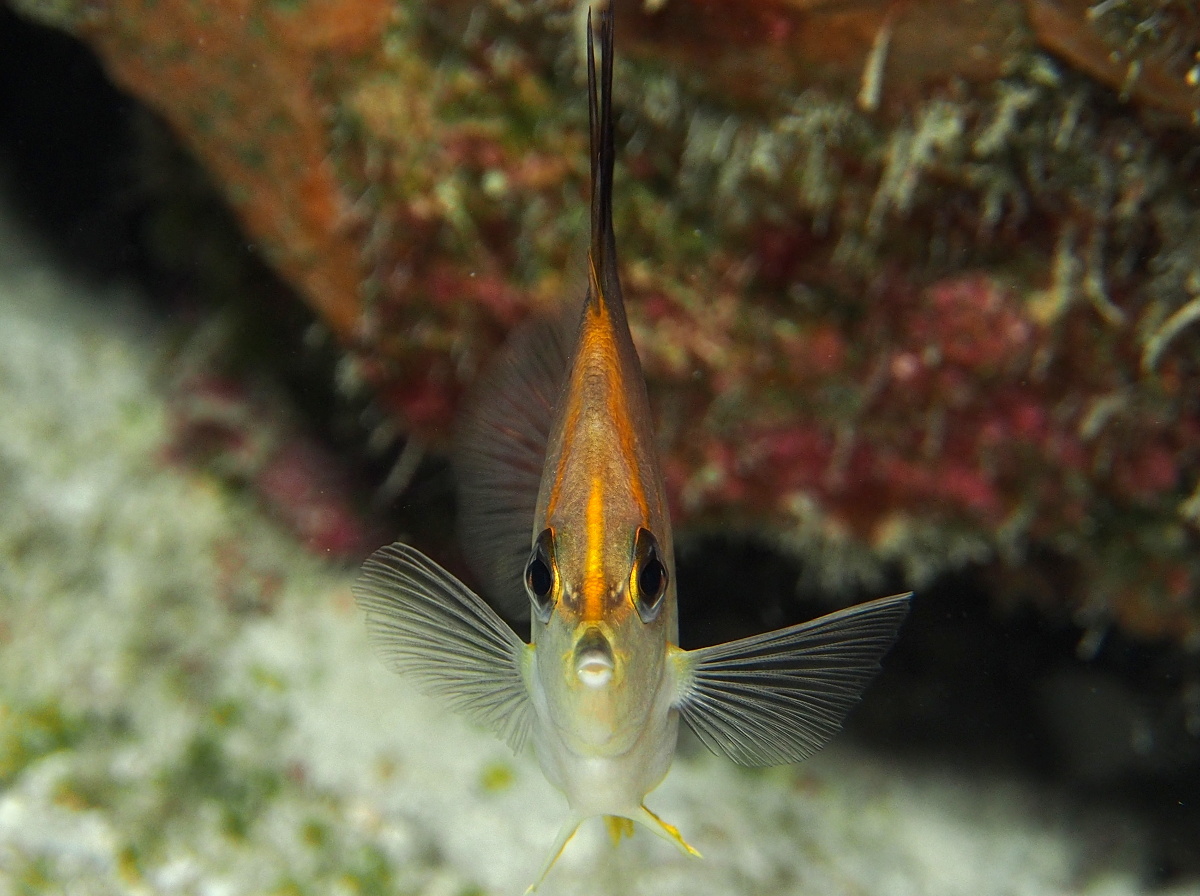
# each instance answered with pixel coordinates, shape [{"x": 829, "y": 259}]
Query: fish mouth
[{"x": 594, "y": 659}]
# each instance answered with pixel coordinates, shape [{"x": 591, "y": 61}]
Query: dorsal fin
[
  {"x": 603, "y": 285},
  {"x": 499, "y": 454}
]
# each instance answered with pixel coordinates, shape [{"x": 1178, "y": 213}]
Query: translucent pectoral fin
[
  {"x": 778, "y": 698},
  {"x": 499, "y": 455},
  {"x": 425, "y": 623}
]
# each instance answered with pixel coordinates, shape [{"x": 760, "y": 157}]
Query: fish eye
[
  {"x": 539, "y": 575},
  {"x": 649, "y": 576}
]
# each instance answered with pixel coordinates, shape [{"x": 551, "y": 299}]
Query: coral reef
[{"x": 914, "y": 283}]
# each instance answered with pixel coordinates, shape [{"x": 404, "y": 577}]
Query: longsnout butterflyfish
[{"x": 564, "y": 518}]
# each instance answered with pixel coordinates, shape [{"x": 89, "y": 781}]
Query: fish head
[{"x": 603, "y": 618}]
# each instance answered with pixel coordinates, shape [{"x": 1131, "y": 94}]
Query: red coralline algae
[
  {"x": 222, "y": 425},
  {"x": 788, "y": 460},
  {"x": 427, "y": 400},
  {"x": 1146, "y": 472},
  {"x": 969, "y": 490},
  {"x": 299, "y": 484},
  {"x": 812, "y": 354},
  {"x": 973, "y": 322},
  {"x": 487, "y": 290}
]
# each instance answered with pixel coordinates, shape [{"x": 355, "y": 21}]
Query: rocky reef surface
[
  {"x": 188, "y": 704},
  {"x": 914, "y": 284}
]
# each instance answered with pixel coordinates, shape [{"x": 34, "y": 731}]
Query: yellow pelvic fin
[
  {"x": 618, "y": 827},
  {"x": 668, "y": 832},
  {"x": 565, "y": 833}
]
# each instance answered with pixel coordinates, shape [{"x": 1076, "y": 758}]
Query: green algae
[
  {"x": 206, "y": 772},
  {"x": 32, "y": 878},
  {"x": 497, "y": 777},
  {"x": 29, "y": 733}
]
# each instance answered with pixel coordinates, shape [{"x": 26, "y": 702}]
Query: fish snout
[{"x": 594, "y": 662}]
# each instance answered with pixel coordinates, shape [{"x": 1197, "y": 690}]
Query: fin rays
[
  {"x": 778, "y": 697},
  {"x": 424, "y": 622},
  {"x": 501, "y": 449}
]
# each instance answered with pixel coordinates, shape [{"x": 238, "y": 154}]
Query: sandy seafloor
[{"x": 188, "y": 704}]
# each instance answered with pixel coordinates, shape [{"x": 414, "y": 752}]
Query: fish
[{"x": 564, "y": 520}]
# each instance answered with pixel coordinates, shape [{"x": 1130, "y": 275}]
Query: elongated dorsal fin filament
[{"x": 602, "y": 250}]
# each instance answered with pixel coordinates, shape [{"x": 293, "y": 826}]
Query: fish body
[
  {"x": 601, "y": 683},
  {"x": 565, "y": 519}
]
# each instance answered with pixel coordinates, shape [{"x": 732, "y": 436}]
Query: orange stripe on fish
[{"x": 594, "y": 588}]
